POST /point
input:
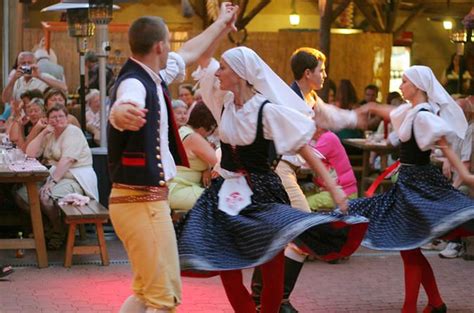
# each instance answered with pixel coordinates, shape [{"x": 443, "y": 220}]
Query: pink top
[{"x": 336, "y": 157}]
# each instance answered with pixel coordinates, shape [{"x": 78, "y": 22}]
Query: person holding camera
[{"x": 28, "y": 77}]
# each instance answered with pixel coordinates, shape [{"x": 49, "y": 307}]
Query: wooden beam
[
  {"x": 243, "y": 7},
  {"x": 392, "y": 13},
  {"x": 245, "y": 20},
  {"x": 408, "y": 21},
  {"x": 368, "y": 15},
  {"x": 378, "y": 13},
  {"x": 340, "y": 8}
]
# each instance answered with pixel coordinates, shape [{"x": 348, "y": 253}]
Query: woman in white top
[
  {"x": 422, "y": 205},
  {"x": 243, "y": 219}
]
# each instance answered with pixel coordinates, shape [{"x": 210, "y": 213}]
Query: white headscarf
[
  {"x": 439, "y": 100},
  {"x": 250, "y": 67}
]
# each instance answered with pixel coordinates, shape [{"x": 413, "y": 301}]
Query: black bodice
[
  {"x": 410, "y": 153},
  {"x": 252, "y": 158}
]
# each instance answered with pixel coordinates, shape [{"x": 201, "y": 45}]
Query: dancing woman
[
  {"x": 422, "y": 205},
  {"x": 243, "y": 219}
]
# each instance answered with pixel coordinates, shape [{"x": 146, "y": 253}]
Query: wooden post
[{"x": 325, "y": 41}]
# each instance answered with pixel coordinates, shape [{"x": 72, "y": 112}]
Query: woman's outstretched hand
[{"x": 340, "y": 199}]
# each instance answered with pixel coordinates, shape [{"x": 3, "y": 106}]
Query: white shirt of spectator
[{"x": 21, "y": 85}]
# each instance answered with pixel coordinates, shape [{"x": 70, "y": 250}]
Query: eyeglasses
[{"x": 57, "y": 117}]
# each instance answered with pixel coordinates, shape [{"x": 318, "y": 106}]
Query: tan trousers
[
  {"x": 288, "y": 177},
  {"x": 146, "y": 231}
]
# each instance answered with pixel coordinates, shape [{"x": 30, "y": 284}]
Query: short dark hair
[
  {"x": 90, "y": 56},
  {"x": 32, "y": 93},
  {"x": 305, "y": 58},
  {"x": 200, "y": 116},
  {"x": 145, "y": 32},
  {"x": 372, "y": 87},
  {"x": 56, "y": 108},
  {"x": 188, "y": 87}
]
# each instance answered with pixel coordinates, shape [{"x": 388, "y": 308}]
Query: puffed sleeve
[
  {"x": 288, "y": 128},
  {"x": 211, "y": 93},
  {"x": 429, "y": 128},
  {"x": 175, "y": 70},
  {"x": 397, "y": 116}
]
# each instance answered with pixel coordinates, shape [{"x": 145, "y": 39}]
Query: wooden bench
[{"x": 91, "y": 213}]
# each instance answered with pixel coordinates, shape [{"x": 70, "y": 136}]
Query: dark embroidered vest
[
  {"x": 410, "y": 153},
  {"x": 252, "y": 158},
  {"x": 134, "y": 157}
]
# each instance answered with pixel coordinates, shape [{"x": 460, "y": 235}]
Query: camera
[{"x": 26, "y": 69}]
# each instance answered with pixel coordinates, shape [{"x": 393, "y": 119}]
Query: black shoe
[
  {"x": 287, "y": 307},
  {"x": 431, "y": 309}
]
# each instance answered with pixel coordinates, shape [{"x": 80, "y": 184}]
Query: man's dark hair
[
  {"x": 32, "y": 93},
  {"x": 372, "y": 87},
  {"x": 305, "y": 58},
  {"x": 200, "y": 116},
  {"x": 90, "y": 56},
  {"x": 145, "y": 32}
]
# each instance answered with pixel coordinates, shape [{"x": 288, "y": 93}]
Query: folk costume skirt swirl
[
  {"x": 210, "y": 240},
  {"x": 421, "y": 206}
]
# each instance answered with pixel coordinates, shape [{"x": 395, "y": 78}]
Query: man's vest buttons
[
  {"x": 162, "y": 183},
  {"x": 158, "y": 148},
  {"x": 162, "y": 174},
  {"x": 160, "y": 165},
  {"x": 158, "y": 157}
]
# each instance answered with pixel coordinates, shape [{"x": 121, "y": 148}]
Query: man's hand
[
  {"x": 228, "y": 14},
  {"x": 35, "y": 72},
  {"x": 127, "y": 116},
  {"x": 362, "y": 116}
]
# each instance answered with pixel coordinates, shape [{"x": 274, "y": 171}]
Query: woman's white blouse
[
  {"x": 238, "y": 126},
  {"x": 427, "y": 126}
]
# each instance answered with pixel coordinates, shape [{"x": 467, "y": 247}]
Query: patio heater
[
  {"x": 79, "y": 27},
  {"x": 100, "y": 12}
]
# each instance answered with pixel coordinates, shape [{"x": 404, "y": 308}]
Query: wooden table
[
  {"x": 383, "y": 149},
  {"x": 30, "y": 179}
]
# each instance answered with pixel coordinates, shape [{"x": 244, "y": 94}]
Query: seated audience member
[
  {"x": 5, "y": 114},
  {"x": 385, "y": 131},
  {"x": 64, "y": 148},
  {"x": 180, "y": 110},
  {"x": 93, "y": 114},
  {"x": 27, "y": 77},
  {"x": 463, "y": 148},
  {"x": 370, "y": 95},
  {"x": 346, "y": 98},
  {"x": 55, "y": 96},
  {"x": 337, "y": 162},
  {"x": 92, "y": 65},
  {"x": 22, "y": 133},
  {"x": 190, "y": 182},
  {"x": 18, "y": 108},
  {"x": 450, "y": 78},
  {"x": 186, "y": 94}
]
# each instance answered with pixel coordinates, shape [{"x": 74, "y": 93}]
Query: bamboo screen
[{"x": 363, "y": 58}]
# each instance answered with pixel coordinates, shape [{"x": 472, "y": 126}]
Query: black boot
[
  {"x": 292, "y": 271},
  {"x": 256, "y": 286}
]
